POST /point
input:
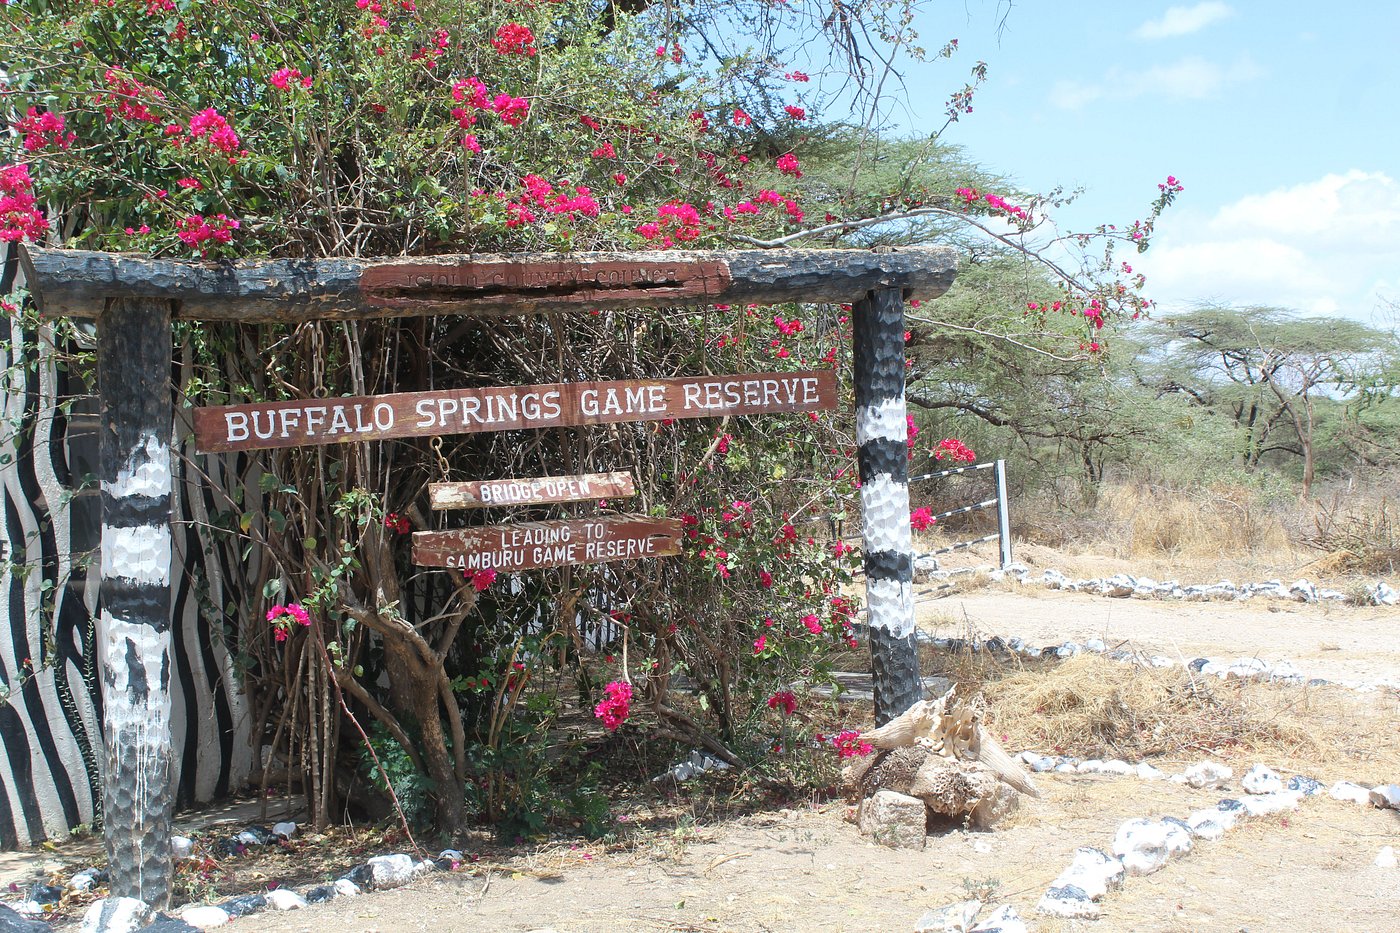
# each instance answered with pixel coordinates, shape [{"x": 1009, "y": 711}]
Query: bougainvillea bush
[{"x": 211, "y": 130}]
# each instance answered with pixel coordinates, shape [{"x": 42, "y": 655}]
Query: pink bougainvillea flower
[
  {"x": 787, "y": 164},
  {"x": 482, "y": 579},
  {"x": 616, "y": 705},
  {"x": 784, "y": 700},
  {"x": 514, "y": 39},
  {"x": 921, "y": 519}
]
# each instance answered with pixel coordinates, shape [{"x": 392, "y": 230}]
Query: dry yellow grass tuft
[{"x": 1091, "y": 707}]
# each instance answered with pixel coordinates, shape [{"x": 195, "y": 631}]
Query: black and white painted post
[
  {"x": 882, "y": 431},
  {"x": 133, "y": 375}
]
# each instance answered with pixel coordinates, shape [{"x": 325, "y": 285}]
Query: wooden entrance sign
[
  {"x": 307, "y": 422},
  {"x": 529, "y": 545},
  {"x": 479, "y": 494},
  {"x": 91, "y": 285}
]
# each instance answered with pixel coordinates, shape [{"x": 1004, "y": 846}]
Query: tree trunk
[{"x": 415, "y": 693}]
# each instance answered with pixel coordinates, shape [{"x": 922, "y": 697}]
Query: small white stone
[
  {"x": 1261, "y": 780},
  {"x": 391, "y": 871},
  {"x": 344, "y": 887},
  {"x": 1386, "y": 796},
  {"x": 1142, "y": 846},
  {"x": 116, "y": 915},
  {"x": 286, "y": 830},
  {"x": 1002, "y": 920},
  {"x": 1092, "y": 766},
  {"x": 1055, "y": 904},
  {"x": 451, "y": 855},
  {"x": 1178, "y": 837},
  {"x": 205, "y": 917},
  {"x": 1267, "y": 804},
  {"x": 1207, "y": 774},
  {"x": 285, "y": 899},
  {"x": 1148, "y": 773},
  {"x": 1346, "y": 790},
  {"x": 181, "y": 846},
  {"x": 1093, "y": 871},
  {"x": 1115, "y": 766},
  {"x": 955, "y": 917},
  {"x": 1386, "y": 858},
  {"x": 1205, "y": 826}
]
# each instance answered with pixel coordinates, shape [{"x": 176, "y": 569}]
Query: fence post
[
  {"x": 1003, "y": 515},
  {"x": 133, "y": 376},
  {"x": 882, "y": 432}
]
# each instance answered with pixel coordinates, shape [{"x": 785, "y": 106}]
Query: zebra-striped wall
[{"x": 50, "y": 733}]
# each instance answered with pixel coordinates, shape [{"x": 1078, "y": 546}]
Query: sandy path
[{"x": 1329, "y": 641}]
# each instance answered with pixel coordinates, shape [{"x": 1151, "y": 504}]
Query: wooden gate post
[
  {"x": 133, "y": 377},
  {"x": 882, "y": 431}
]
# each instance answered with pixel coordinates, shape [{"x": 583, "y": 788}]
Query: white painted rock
[
  {"x": 285, "y": 899},
  {"x": 1386, "y": 796},
  {"x": 1386, "y": 858},
  {"x": 84, "y": 880},
  {"x": 205, "y": 916},
  {"x": 1207, "y": 774},
  {"x": 1205, "y": 824},
  {"x": 1261, "y": 780},
  {"x": 1093, "y": 873},
  {"x": 181, "y": 846},
  {"x": 957, "y": 917},
  {"x": 1306, "y": 785},
  {"x": 1067, "y": 902},
  {"x": 1346, "y": 790},
  {"x": 452, "y": 855},
  {"x": 1114, "y": 766},
  {"x": 1141, "y": 845},
  {"x": 1178, "y": 836},
  {"x": 344, "y": 887},
  {"x": 117, "y": 915},
  {"x": 895, "y": 820},
  {"x": 286, "y": 830},
  {"x": 1148, "y": 773},
  {"x": 1266, "y": 804},
  {"x": 1002, "y": 920},
  {"x": 391, "y": 871},
  {"x": 1091, "y": 766}
]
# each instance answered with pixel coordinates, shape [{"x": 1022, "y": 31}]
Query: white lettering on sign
[{"x": 502, "y": 408}]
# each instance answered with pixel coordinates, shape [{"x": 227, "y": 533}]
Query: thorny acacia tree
[{"x": 384, "y": 127}]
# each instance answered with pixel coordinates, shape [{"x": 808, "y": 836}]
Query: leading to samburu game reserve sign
[
  {"x": 307, "y": 422},
  {"x": 528, "y": 545}
]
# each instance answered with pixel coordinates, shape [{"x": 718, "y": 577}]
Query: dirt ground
[
  {"x": 1324, "y": 639},
  {"x": 807, "y": 868}
]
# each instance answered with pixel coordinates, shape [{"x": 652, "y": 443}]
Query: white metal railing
[{"x": 999, "y": 502}]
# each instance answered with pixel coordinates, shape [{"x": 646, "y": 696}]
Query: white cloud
[
  {"x": 1183, "y": 20},
  {"x": 1329, "y": 246},
  {"x": 1192, "y": 78}
]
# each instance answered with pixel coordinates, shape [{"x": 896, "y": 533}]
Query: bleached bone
[{"x": 955, "y": 734}]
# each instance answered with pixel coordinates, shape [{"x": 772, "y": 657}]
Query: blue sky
[{"x": 1281, "y": 119}]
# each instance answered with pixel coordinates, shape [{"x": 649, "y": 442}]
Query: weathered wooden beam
[
  {"x": 72, "y": 282},
  {"x": 133, "y": 374},
  {"x": 477, "y": 494},
  {"x": 882, "y": 433},
  {"x": 529, "y": 545}
]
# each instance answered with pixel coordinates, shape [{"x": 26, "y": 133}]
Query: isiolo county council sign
[{"x": 308, "y": 422}]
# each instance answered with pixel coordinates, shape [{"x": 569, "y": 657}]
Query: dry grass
[{"x": 1089, "y": 706}]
